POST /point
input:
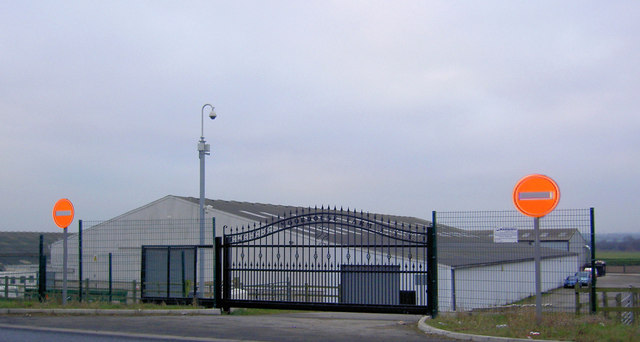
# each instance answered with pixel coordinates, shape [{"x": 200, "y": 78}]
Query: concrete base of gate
[{"x": 422, "y": 325}]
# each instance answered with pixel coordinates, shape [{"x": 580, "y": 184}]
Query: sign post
[
  {"x": 536, "y": 196},
  {"x": 63, "y": 216}
]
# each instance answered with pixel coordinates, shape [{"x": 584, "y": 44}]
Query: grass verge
[
  {"x": 554, "y": 326},
  {"x": 54, "y": 304}
]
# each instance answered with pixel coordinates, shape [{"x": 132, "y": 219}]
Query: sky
[{"x": 394, "y": 107}]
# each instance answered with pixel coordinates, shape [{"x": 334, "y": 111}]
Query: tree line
[{"x": 627, "y": 244}]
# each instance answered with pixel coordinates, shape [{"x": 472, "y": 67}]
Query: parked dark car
[
  {"x": 601, "y": 268},
  {"x": 571, "y": 281},
  {"x": 584, "y": 278}
]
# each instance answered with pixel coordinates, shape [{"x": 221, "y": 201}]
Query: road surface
[{"x": 302, "y": 326}]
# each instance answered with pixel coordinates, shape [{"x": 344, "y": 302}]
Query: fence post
[
  {"x": 577, "y": 291},
  {"x": 6, "y": 287},
  {"x": 110, "y": 279},
  {"x": 634, "y": 303},
  {"x": 135, "y": 291},
  {"x": 592, "y": 295},
  {"x": 169, "y": 271},
  {"x": 226, "y": 278},
  {"x": 213, "y": 243},
  {"x": 432, "y": 267},
  {"x": 42, "y": 272},
  {"x": 80, "y": 260},
  {"x": 619, "y": 305},
  {"x": 605, "y": 304},
  {"x": 184, "y": 285},
  {"x": 217, "y": 271}
]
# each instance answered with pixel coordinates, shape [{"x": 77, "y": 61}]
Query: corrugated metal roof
[
  {"x": 561, "y": 234},
  {"x": 456, "y": 247}
]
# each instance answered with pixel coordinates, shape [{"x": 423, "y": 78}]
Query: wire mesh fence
[
  {"x": 486, "y": 258},
  {"x": 105, "y": 258},
  {"x": 485, "y": 261}
]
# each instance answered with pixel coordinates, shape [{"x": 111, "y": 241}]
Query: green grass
[
  {"x": 554, "y": 326},
  {"x": 619, "y": 257},
  {"x": 56, "y": 304}
]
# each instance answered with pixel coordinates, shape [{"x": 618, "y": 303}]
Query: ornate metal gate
[{"x": 329, "y": 259}]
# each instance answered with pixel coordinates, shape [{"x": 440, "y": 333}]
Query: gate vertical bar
[
  {"x": 80, "y": 260},
  {"x": 592, "y": 294},
  {"x": 226, "y": 278},
  {"x": 432, "y": 267}
]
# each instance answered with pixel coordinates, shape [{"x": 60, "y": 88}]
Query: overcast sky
[{"x": 396, "y": 107}]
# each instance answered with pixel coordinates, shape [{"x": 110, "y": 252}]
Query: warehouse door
[{"x": 168, "y": 273}]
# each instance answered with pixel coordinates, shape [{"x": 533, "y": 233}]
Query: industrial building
[{"x": 473, "y": 270}]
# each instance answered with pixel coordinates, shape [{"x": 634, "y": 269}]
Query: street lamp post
[{"x": 203, "y": 149}]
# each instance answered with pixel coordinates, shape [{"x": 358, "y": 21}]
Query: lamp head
[{"x": 212, "y": 114}]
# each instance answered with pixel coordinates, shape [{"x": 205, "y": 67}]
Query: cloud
[{"x": 400, "y": 108}]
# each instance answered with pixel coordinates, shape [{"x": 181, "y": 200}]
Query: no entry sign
[
  {"x": 63, "y": 213},
  {"x": 536, "y": 195}
]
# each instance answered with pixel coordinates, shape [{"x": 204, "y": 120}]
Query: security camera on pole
[{"x": 203, "y": 149}]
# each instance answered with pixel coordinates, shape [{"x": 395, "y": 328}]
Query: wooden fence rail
[{"x": 625, "y": 301}]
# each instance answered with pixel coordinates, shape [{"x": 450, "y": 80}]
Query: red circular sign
[
  {"x": 536, "y": 195},
  {"x": 63, "y": 213}
]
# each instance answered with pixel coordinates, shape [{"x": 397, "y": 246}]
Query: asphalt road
[
  {"x": 299, "y": 326},
  {"x": 303, "y": 326},
  {"x": 20, "y": 335},
  {"x": 619, "y": 280}
]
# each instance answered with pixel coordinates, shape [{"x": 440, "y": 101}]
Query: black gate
[{"x": 329, "y": 259}]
